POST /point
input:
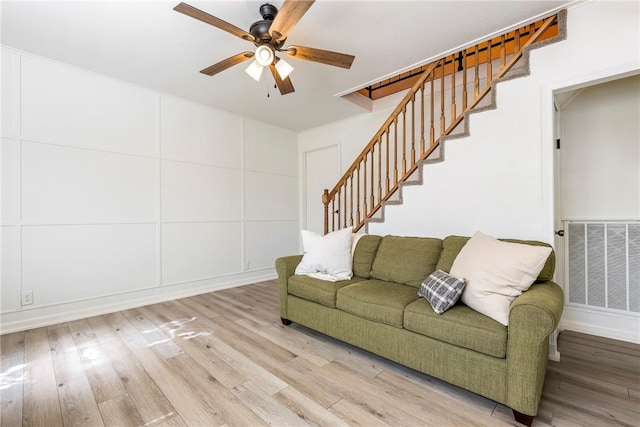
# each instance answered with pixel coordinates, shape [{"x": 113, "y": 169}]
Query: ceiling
[{"x": 149, "y": 44}]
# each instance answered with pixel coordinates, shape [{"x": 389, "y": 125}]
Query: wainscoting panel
[
  {"x": 9, "y": 268},
  {"x": 70, "y": 185},
  {"x": 73, "y": 262},
  {"x": 280, "y": 237},
  {"x": 194, "y": 133},
  {"x": 9, "y": 180},
  {"x": 202, "y": 250},
  {"x": 10, "y": 93},
  {"x": 192, "y": 192},
  {"x": 62, "y": 105},
  {"x": 270, "y": 197}
]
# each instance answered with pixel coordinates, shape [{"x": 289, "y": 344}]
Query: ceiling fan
[{"x": 269, "y": 36}]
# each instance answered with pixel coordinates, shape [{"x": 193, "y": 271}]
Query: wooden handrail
[
  {"x": 384, "y": 126},
  {"x": 394, "y": 153}
]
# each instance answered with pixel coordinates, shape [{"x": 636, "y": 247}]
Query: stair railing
[{"x": 432, "y": 109}]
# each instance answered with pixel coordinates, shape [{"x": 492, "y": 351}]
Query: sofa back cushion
[
  {"x": 406, "y": 260},
  {"x": 452, "y": 245},
  {"x": 364, "y": 254}
]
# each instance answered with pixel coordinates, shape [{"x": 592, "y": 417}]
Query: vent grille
[{"x": 604, "y": 264}]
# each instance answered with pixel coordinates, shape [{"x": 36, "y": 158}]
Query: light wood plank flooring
[{"x": 225, "y": 359}]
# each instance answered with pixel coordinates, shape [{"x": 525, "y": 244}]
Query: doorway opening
[{"x": 597, "y": 216}]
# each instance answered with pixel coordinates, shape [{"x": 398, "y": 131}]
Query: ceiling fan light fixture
[
  {"x": 254, "y": 70},
  {"x": 264, "y": 55},
  {"x": 283, "y": 68}
]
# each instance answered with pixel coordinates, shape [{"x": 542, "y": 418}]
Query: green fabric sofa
[{"x": 379, "y": 310}]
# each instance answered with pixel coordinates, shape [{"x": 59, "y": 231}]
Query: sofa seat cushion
[
  {"x": 377, "y": 300},
  {"x": 460, "y": 326},
  {"x": 406, "y": 260},
  {"x": 316, "y": 290},
  {"x": 364, "y": 254}
]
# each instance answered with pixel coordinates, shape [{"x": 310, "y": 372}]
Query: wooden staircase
[{"x": 435, "y": 109}]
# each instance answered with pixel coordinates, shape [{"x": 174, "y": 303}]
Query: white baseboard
[
  {"x": 621, "y": 326},
  {"x": 554, "y": 354},
  {"x": 37, "y": 317}
]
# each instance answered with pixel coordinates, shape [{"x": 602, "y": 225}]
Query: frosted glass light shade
[
  {"x": 254, "y": 70},
  {"x": 283, "y": 68},
  {"x": 264, "y": 55}
]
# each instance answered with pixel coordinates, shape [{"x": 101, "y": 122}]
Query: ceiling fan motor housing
[
  {"x": 260, "y": 29},
  {"x": 268, "y": 11}
]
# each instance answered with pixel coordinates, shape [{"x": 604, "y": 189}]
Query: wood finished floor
[{"x": 225, "y": 359}]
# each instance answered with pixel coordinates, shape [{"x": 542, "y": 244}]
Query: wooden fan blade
[
  {"x": 212, "y": 20},
  {"x": 288, "y": 16},
  {"x": 284, "y": 86},
  {"x": 229, "y": 62},
  {"x": 328, "y": 57}
]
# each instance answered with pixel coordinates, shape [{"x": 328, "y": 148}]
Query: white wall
[
  {"x": 601, "y": 152},
  {"x": 500, "y": 179},
  {"x": 115, "y": 196}
]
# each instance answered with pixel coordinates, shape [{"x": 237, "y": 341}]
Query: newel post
[{"x": 325, "y": 201}]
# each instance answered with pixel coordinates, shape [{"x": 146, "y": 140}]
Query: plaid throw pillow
[{"x": 441, "y": 290}]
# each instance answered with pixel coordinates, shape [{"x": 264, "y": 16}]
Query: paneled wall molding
[
  {"x": 32, "y": 223},
  {"x": 99, "y": 150},
  {"x": 198, "y": 221},
  {"x": 115, "y": 196},
  {"x": 272, "y": 173},
  {"x": 188, "y": 162}
]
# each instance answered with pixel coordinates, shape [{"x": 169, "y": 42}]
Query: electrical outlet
[{"x": 27, "y": 298}]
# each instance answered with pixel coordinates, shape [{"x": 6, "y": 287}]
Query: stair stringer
[{"x": 520, "y": 70}]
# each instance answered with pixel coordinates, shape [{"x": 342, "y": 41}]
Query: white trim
[
  {"x": 244, "y": 262},
  {"x": 554, "y": 354},
  {"x": 304, "y": 176},
  {"x": 626, "y": 270},
  {"x": 158, "y": 218},
  {"x": 620, "y": 326},
  {"x": 21, "y": 320}
]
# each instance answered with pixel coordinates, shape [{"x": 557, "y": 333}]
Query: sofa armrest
[
  {"x": 533, "y": 316},
  {"x": 285, "y": 267}
]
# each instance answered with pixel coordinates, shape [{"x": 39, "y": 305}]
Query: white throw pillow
[
  {"x": 327, "y": 257},
  {"x": 496, "y": 273},
  {"x": 355, "y": 238}
]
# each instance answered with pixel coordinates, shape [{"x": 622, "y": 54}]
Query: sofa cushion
[
  {"x": 377, "y": 300},
  {"x": 452, "y": 245},
  {"x": 364, "y": 255},
  {"x": 406, "y": 260},
  {"x": 460, "y": 326},
  {"x": 316, "y": 290}
]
